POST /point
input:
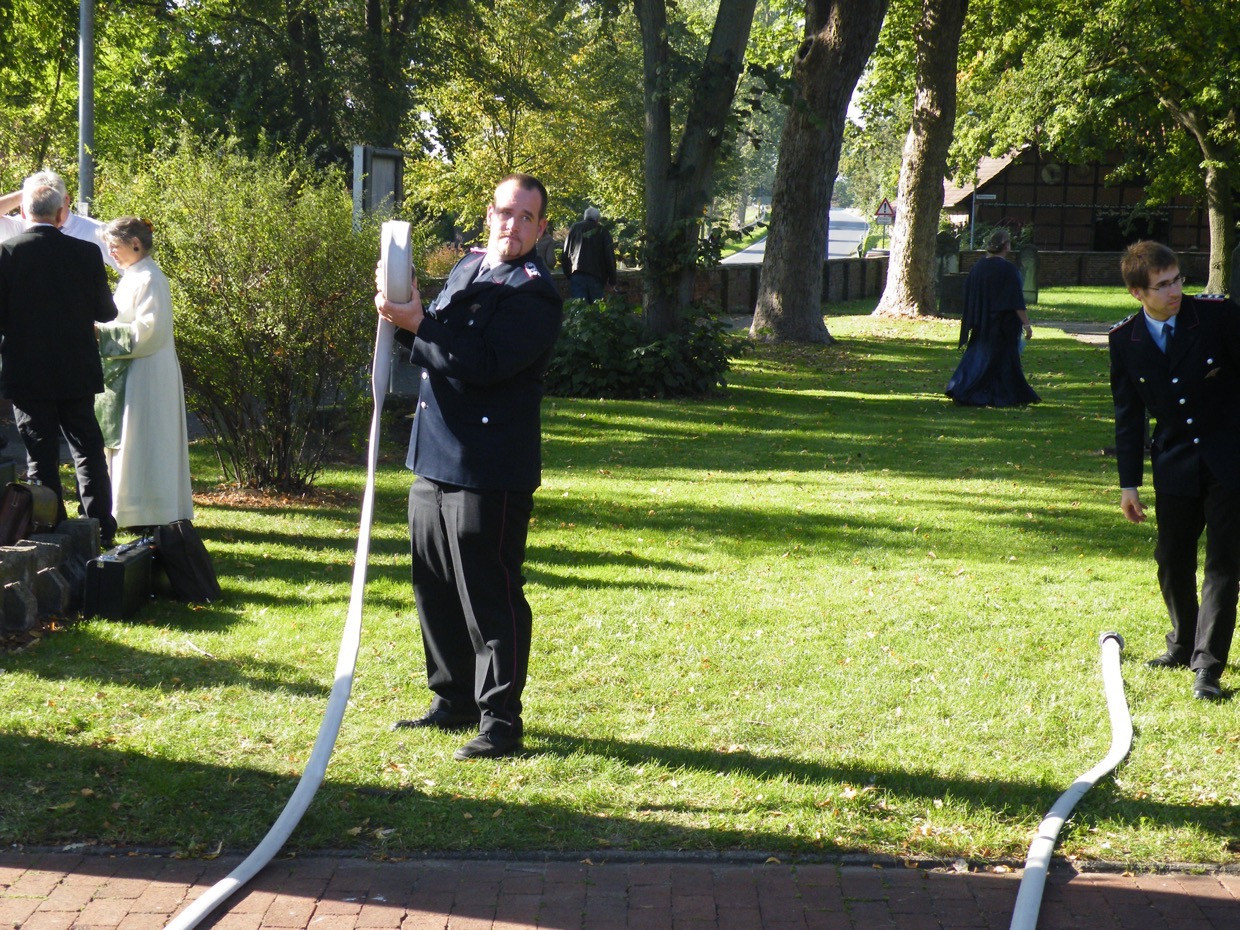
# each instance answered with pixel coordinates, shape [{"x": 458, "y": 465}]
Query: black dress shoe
[
  {"x": 488, "y": 745},
  {"x": 1167, "y": 660},
  {"x": 439, "y": 720},
  {"x": 1206, "y": 687}
]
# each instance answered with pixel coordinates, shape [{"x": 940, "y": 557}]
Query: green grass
[
  {"x": 824, "y": 612},
  {"x": 1082, "y": 304},
  {"x": 732, "y": 246}
]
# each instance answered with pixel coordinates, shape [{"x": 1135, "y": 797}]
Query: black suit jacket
[
  {"x": 1193, "y": 394},
  {"x": 483, "y": 349},
  {"x": 53, "y": 289}
]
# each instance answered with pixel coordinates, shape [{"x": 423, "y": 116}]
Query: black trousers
[
  {"x": 468, "y": 549},
  {"x": 1200, "y": 633},
  {"x": 41, "y": 423}
]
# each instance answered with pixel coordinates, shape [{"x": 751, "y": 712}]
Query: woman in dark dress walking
[{"x": 989, "y": 374}]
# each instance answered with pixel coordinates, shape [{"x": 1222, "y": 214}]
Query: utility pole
[{"x": 86, "y": 105}]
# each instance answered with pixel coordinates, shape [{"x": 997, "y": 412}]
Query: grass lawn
[
  {"x": 824, "y": 612},
  {"x": 1083, "y": 304}
]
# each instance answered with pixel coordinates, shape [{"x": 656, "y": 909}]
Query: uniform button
[
  {"x": 425, "y": 375},
  {"x": 471, "y": 322},
  {"x": 1189, "y": 421},
  {"x": 486, "y": 420},
  {"x": 423, "y": 405},
  {"x": 1142, "y": 380},
  {"x": 1183, "y": 400},
  {"x": 1175, "y": 380},
  {"x": 1196, "y": 440},
  {"x": 1209, "y": 361}
]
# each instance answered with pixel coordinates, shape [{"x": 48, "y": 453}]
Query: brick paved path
[{"x": 54, "y": 891}]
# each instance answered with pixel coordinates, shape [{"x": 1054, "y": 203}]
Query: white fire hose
[
  {"x": 1037, "y": 863},
  {"x": 393, "y": 264}
]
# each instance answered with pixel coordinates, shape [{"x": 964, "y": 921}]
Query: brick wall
[{"x": 734, "y": 288}]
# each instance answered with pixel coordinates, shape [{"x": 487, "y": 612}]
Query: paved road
[
  {"x": 56, "y": 891},
  {"x": 847, "y": 229}
]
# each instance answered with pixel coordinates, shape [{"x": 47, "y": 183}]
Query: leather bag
[
  {"x": 26, "y": 509},
  {"x": 179, "y": 551}
]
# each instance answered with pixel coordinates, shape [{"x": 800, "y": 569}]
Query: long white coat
[{"x": 150, "y": 469}]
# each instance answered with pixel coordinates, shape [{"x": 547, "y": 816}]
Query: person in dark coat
[
  {"x": 589, "y": 257},
  {"x": 53, "y": 289},
  {"x": 1178, "y": 360},
  {"x": 483, "y": 346},
  {"x": 989, "y": 373}
]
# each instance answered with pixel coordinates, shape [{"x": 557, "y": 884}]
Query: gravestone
[{"x": 1028, "y": 261}]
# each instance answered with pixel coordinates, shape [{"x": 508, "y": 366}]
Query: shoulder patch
[
  {"x": 531, "y": 270},
  {"x": 1124, "y": 322}
]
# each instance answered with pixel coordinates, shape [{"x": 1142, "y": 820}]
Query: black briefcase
[{"x": 118, "y": 583}]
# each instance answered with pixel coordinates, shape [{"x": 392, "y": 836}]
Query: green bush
[
  {"x": 603, "y": 351},
  {"x": 272, "y": 289}
]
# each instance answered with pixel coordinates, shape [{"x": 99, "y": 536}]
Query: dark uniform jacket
[
  {"x": 483, "y": 349},
  {"x": 53, "y": 290},
  {"x": 589, "y": 250},
  {"x": 1193, "y": 393}
]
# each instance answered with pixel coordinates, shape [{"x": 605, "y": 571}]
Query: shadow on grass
[
  {"x": 195, "y": 805},
  {"x": 96, "y": 658}
]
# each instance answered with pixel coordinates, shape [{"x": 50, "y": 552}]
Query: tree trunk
[
  {"x": 678, "y": 189},
  {"x": 389, "y": 27},
  {"x": 910, "y": 289},
  {"x": 839, "y": 37},
  {"x": 742, "y": 205},
  {"x": 1220, "y": 198}
]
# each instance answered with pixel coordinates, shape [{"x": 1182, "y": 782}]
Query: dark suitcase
[
  {"x": 184, "y": 559},
  {"x": 118, "y": 583}
]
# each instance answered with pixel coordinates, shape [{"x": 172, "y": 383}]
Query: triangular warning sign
[{"x": 885, "y": 209}]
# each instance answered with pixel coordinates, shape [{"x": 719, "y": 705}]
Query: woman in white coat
[{"x": 142, "y": 413}]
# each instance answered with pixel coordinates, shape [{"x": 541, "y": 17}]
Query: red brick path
[{"x": 55, "y": 891}]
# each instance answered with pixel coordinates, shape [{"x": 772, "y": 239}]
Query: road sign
[
  {"x": 886, "y": 214},
  {"x": 985, "y": 196}
]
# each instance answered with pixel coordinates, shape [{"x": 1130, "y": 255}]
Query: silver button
[
  {"x": 1209, "y": 361},
  {"x": 423, "y": 405},
  {"x": 1196, "y": 440},
  {"x": 1189, "y": 421},
  {"x": 1175, "y": 380},
  {"x": 425, "y": 375},
  {"x": 1142, "y": 380},
  {"x": 1183, "y": 400},
  {"x": 486, "y": 420}
]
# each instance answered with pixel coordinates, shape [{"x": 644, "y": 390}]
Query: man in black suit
[
  {"x": 53, "y": 289},
  {"x": 1179, "y": 361},
  {"x": 483, "y": 346}
]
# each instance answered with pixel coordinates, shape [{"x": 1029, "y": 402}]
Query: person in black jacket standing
[
  {"x": 53, "y": 289},
  {"x": 589, "y": 257},
  {"x": 483, "y": 346},
  {"x": 1179, "y": 361}
]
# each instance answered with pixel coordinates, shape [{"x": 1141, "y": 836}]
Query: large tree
[
  {"x": 678, "y": 187},
  {"x": 1151, "y": 83},
  {"x": 839, "y": 37},
  {"x": 517, "y": 87},
  {"x": 910, "y": 289}
]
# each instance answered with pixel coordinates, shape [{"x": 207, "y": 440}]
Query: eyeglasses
[{"x": 1177, "y": 281}]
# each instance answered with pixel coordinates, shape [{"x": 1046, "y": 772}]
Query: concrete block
[
  {"x": 18, "y": 564},
  {"x": 20, "y": 608},
  {"x": 51, "y": 591},
  {"x": 84, "y": 533}
]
